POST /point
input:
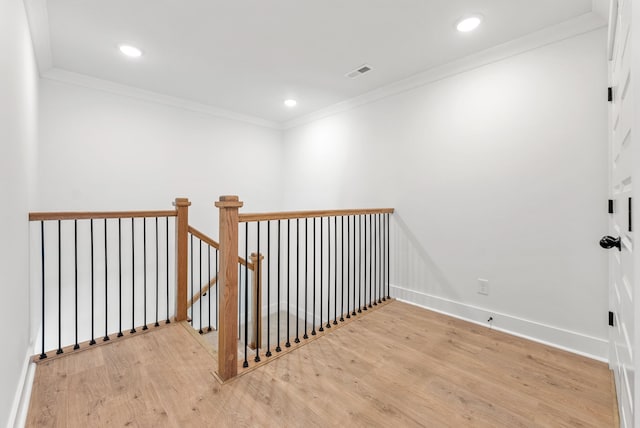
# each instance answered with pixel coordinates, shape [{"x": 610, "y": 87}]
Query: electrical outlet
[{"x": 483, "y": 286}]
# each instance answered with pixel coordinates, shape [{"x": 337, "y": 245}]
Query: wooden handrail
[
  {"x": 80, "y": 215},
  {"x": 205, "y": 290},
  {"x": 201, "y": 236},
  {"x": 204, "y": 238},
  {"x": 243, "y": 218}
]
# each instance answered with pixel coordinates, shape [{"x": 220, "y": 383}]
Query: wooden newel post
[
  {"x": 182, "y": 256},
  {"x": 228, "y": 283},
  {"x": 256, "y": 307}
]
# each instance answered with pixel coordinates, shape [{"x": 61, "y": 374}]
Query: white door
[{"x": 622, "y": 289}]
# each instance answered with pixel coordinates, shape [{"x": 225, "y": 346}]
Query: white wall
[
  {"x": 634, "y": 96},
  {"x": 102, "y": 151},
  {"x": 498, "y": 173},
  {"x": 105, "y": 151},
  {"x": 18, "y": 133}
]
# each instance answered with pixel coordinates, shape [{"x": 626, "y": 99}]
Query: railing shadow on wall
[{"x": 415, "y": 270}]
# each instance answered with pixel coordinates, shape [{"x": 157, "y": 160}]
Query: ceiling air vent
[{"x": 365, "y": 68}]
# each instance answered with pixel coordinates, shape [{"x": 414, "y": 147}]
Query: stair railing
[
  {"x": 106, "y": 275},
  {"x": 203, "y": 304},
  {"x": 322, "y": 268},
  {"x": 102, "y": 272}
]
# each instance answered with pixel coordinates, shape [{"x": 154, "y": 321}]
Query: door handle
[{"x": 610, "y": 242}]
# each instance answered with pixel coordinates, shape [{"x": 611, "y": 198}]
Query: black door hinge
[
  {"x": 611, "y": 319},
  {"x": 610, "y": 206},
  {"x": 610, "y": 94},
  {"x": 630, "y": 215}
]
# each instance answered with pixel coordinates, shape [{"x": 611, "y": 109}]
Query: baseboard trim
[
  {"x": 571, "y": 341},
  {"x": 18, "y": 415}
]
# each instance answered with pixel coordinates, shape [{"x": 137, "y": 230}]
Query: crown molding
[
  {"x": 583, "y": 24},
  {"x": 38, "y": 17},
  {"x": 64, "y": 76},
  {"x": 39, "y": 26}
]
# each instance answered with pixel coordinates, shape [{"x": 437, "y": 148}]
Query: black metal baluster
[
  {"x": 144, "y": 271},
  {"x": 329, "y": 272},
  {"x": 297, "y": 340},
  {"x": 374, "y": 278},
  {"x": 217, "y": 290},
  {"x": 380, "y": 258},
  {"x": 258, "y": 293},
  {"x": 199, "y": 286},
  {"x": 370, "y": 255},
  {"x": 245, "y": 364},
  {"x": 93, "y": 340},
  {"x": 379, "y": 242},
  {"x": 119, "y": 278},
  {"x": 321, "y": 272},
  {"x": 383, "y": 266},
  {"x": 239, "y": 301},
  {"x": 133, "y": 276},
  {"x": 43, "y": 355},
  {"x": 278, "y": 349},
  {"x": 367, "y": 256},
  {"x": 370, "y": 263},
  {"x": 191, "y": 282},
  {"x": 209, "y": 283},
  {"x": 288, "y": 343},
  {"x": 157, "y": 324},
  {"x": 59, "y": 351},
  {"x": 168, "y": 321},
  {"x": 268, "y": 354},
  {"x": 75, "y": 244},
  {"x": 360, "y": 265},
  {"x": 381, "y": 297},
  {"x": 355, "y": 266},
  {"x": 335, "y": 270},
  {"x": 376, "y": 265},
  {"x": 342, "y": 271},
  {"x": 388, "y": 261},
  {"x": 306, "y": 274},
  {"x": 364, "y": 250},
  {"x": 106, "y": 284},
  {"x": 313, "y": 320},
  {"x": 349, "y": 266}
]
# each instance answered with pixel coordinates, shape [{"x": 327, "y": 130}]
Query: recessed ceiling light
[
  {"x": 469, "y": 24},
  {"x": 290, "y": 103},
  {"x": 130, "y": 51}
]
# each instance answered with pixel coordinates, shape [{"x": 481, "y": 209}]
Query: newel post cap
[
  {"x": 181, "y": 202},
  {"x": 229, "y": 201}
]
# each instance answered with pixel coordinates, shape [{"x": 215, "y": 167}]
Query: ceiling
[{"x": 248, "y": 56}]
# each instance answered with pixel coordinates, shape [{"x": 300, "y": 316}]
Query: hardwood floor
[{"x": 398, "y": 366}]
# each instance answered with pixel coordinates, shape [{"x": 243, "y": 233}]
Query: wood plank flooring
[{"x": 400, "y": 366}]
